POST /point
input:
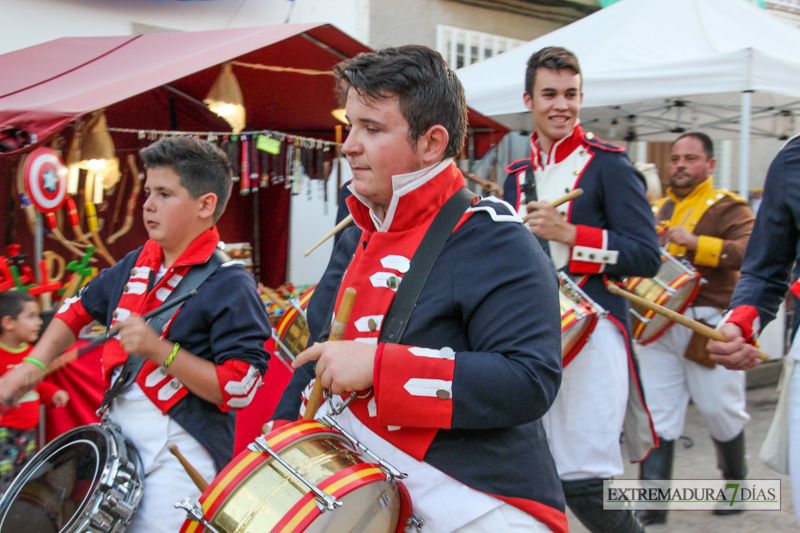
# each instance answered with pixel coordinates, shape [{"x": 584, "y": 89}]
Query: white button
[{"x": 447, "y": 353}]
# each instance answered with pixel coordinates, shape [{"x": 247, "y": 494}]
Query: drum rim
[
  {"x": 50, "y": 450},
  {"x": 112, "y": 437}
]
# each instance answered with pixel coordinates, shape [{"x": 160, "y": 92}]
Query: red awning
[{"x": 137, "y": 77}]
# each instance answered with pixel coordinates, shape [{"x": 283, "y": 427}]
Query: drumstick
[
  {"x": 337, "y": 332},
  {"x": 201, "y": 483},
  {"x": 564, "y": 199},
  {"x": 70, "y": 355},
  {"x": 336, "y": 229},
  {"x": 694, "y": 325}
]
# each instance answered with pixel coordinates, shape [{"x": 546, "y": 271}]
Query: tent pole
[{"x": 744, "y": 146}]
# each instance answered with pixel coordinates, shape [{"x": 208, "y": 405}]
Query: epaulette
[
  {"x": 593, "y": 140},
  {"x": 732, "y": 194},
  {"x": 518, "y": 166}
]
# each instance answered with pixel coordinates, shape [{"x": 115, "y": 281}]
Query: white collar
[{"x": 402, "y": 184}]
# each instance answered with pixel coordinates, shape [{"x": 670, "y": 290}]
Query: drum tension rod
[
  {"x": 195, "y": 512},
  {"x": 391, "y": 472},
  {"x": 324, "y": 501}
]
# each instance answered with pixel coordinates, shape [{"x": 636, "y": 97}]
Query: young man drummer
[
  {"x": 455, "y": 402},
  {"x": 210, "y": 356},
  {"x": 605, "y": 234}
]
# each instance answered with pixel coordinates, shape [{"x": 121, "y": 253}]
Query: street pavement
[{"x": 698, "y": 461}]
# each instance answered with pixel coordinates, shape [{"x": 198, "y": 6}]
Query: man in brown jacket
[{"x": 710, "y": 229}]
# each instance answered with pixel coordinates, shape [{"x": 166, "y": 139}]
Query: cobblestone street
[{"x": 699, "y": 462}]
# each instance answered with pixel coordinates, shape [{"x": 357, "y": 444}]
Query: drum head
[
  {"x": 53, "y": 489},
  {"x": 255, "y": 494}
]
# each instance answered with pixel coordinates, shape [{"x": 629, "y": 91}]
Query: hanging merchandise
[
  {"x": 81, "y": 273},
  {"x": 297, "y": 168},
  {"x": 253, "y": 157},
  {"x": 265, "y": 158},
  {"x": 136, "y": 184},
  {"x": 244, "y": 168},
  {"x": 52, "y": 230},
  {"x": 260, "y": 159},
  {"x": 92, "y": 224},
  {"x": 45, "y": 179}
]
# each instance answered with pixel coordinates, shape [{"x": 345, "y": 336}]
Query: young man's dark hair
[
  {"x": 708, "y": 144},
  {"x": 428, "y": 92},
  {"x": 12, "y": 303},
  {"x": 552, "y": 57},
  {"x": 201, "y": 166}
]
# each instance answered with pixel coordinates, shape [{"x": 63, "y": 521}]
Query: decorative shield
[{"x": 45, "y": 179}]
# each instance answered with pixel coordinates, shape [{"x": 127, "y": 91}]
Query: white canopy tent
[{"x": 655, "y": 68}]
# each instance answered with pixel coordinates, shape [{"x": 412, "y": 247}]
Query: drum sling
[
  {"x": 192, "y": 280},
  {"x": 421, "y": 265}
]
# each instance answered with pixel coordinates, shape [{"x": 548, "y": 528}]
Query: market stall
[{"x": 69, "y": 212}]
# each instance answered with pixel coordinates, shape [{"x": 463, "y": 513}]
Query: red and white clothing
[
  {"x": 225, "y": 322},
  {"x": 458, "y": 400},
  {"x": 615, "y": 237},
  {"x": 26, "y": 414}
]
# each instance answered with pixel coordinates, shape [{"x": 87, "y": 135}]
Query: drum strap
[
  {"x": 192, "y": 280},
  {"x": 529, "y": 188},
  {"x": 421, "y": 265},
  {"x": 429, "y": 249}
]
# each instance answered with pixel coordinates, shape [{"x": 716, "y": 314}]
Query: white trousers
[
  {"x": 166, "y": 482},
  {"x": 584, "y": 424},
  {"x": 794, "y": 428},
  {"x": 503, "y": 519},
  {"x": 669, "y": 380}
]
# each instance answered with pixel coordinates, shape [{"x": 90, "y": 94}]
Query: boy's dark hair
[
  {"x": 201, "y": 166},
  {"x": 12, "y": 303},
  {"x": 552, "y": 57},
  {"x": 708, "y": 144},
  {"x": 428, "y": 92}
]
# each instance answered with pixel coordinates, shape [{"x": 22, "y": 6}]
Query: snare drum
[
  {"x": 88, "y": 479},
  {"x": 675, "y": 287},
  {"x": 579, "y": 316},
  {"x": 292, "y": 330},
  {"x": 256, "y": 494}
]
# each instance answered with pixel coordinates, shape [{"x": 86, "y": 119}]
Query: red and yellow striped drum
[
  {"x": 256, "y": 494},
  {"x": 675, "y": 287},
  {"x": 579, "y": 317},
  {"x": 293, "y": 329}
]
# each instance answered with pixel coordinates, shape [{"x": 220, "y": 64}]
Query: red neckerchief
[
  {"x": 136, "y": 299},
  {"x": 369, "y": 274}
]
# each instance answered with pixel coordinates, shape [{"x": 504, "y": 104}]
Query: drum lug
[
  {"x": 414, "y": 524},
  {"x": 324, "y": 501},
  {"x": 642, "y": 319},
  {"x": 195, "y": 512},
  {"x": 116, "y": 507},
  {"x": 664, "y": 286},
  {"x": 391, "y": 472},
  {"x": 101, "y": 523},
  {"x": 563, "y": 276}
]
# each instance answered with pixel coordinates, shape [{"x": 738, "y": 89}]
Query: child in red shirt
[{"x": 19, "y": 326}]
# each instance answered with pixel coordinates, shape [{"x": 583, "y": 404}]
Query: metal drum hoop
[{"x": 116, "y": 483}]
